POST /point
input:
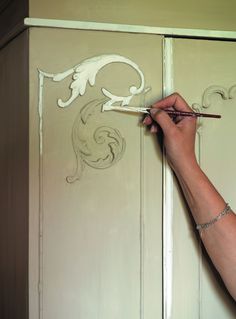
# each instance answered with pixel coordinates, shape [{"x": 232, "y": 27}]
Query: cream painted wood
[
  {"x": 95, "y": 244},
  {"x": 204, "y": 72},
  {"x": 144, "y": 29},
  {"x": 167, "y": 238},
  {"x": 134, "y": 247},
  {"x": 210, "y": 14}
]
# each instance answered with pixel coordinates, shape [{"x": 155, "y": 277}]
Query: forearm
[
  {"x": 206, "y": 203},
  {"x": 203, "y": 199}
]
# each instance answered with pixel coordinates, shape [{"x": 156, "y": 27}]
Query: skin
[{"x": 203, "y": 199}]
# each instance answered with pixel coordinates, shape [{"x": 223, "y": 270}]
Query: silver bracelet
[{"x": 226, "y": 211}]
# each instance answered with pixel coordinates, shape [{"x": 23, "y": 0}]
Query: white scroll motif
[
  {"x": 105, "y": 146},
  {"x": 86, "y": 72}
]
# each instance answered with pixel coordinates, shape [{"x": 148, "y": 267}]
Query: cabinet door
[
  {"x": 98, "y": 195},
  {"x": 205, "y": 74}
]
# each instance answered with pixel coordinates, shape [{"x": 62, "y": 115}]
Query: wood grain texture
[{"x": 14, "y": 179}]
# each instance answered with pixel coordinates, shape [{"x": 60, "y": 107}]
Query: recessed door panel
[
  {"x": 204, "y": 73},
  {"x": 99, "y": 186}
]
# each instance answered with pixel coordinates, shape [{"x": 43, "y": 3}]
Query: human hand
[{"x": 179, "y": 133}]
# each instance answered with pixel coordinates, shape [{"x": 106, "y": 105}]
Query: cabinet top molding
[{"x": 171, "y": 32}]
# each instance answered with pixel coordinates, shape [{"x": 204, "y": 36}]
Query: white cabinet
[{"x": 99, "y": 244}]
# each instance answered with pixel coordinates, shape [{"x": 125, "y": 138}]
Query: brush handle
[
  {"x": 193, "y": 114},
  {"x": 170, "y": 112}
]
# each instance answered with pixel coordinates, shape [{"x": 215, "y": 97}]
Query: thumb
[{"x": 163, "y": 119}]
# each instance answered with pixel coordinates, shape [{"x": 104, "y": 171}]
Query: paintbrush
[{"x": 172, "y": 113}]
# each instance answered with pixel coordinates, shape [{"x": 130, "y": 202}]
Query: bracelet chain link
[{"x": 226, "y": 211}]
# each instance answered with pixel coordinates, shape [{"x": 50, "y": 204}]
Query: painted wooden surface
[
  {"x": 95, "y": 244},
  {"x": 101, "y": 250},
  {"x": 14, "y": 179},
  {"x": 204, "y": 72}
]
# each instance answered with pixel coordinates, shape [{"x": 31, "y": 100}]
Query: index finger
[{"x": 174, "y": 100}]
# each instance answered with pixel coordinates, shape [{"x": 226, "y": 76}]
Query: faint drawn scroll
[
  {"x": 105, "y": 146},
  {"x": 209, "y": 92},
  {"x": 207, "y": 102},
  {"x": 99, "y": 148}
]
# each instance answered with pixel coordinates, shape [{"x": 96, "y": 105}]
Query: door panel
[
  {"x": 100, "y": 176},
  {"x": 204, "y": 73}
]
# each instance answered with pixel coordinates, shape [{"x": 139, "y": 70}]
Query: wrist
[{"x": 187, "y": 167}]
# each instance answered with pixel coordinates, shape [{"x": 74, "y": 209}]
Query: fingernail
[
  {"x": 155, "y": 111},
  {"x": 153, "y": 129},
  {"x": 145, "y": 121}
]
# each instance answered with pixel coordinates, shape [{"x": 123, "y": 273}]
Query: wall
[
  {"x": 201, "y": 14},
  {"x": 210, "y": 14}
]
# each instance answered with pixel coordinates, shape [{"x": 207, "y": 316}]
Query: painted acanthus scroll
[
  {"x": 86, "y": 72},
  {"x": 99, "y": 148},
  {"x": 105, "y": 146}
]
